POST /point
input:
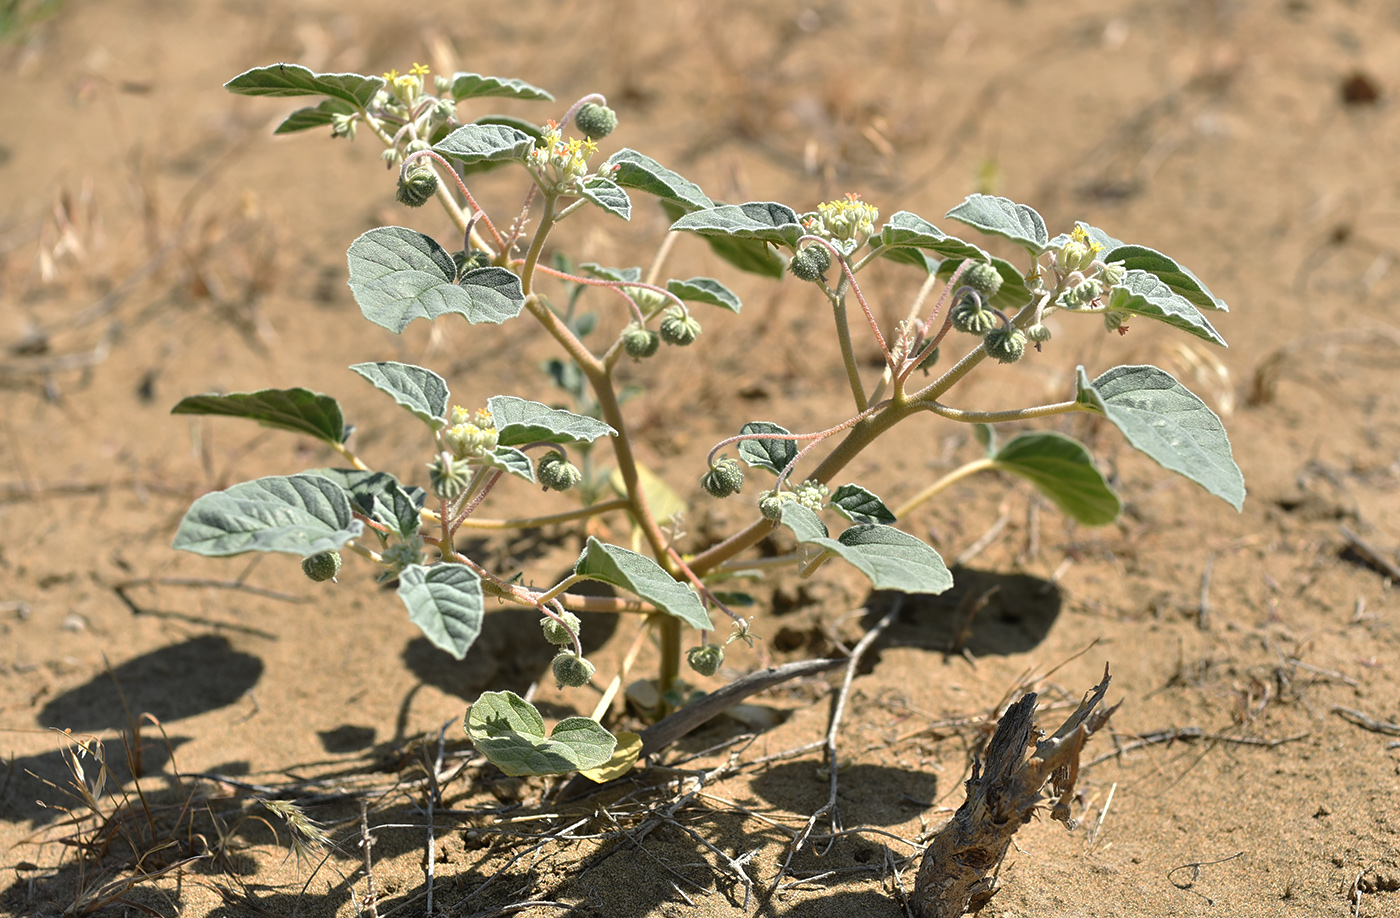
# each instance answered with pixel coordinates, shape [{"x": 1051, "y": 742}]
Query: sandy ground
[{"x": 156, "y": 241}]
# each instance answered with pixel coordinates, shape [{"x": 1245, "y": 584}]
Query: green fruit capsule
[
  {"x": 557, "y": 473},
  {"x": 555, "y": 631},
  {"x": 572, "y": 670},
  {"x": 970, "y": 318},
  {"x": 418, "y": 186},
  {"x": 811, "y": 263},
  {"x": 723, "y": 479},
  {"x": 705, "y": 659},
  {"x": 640, "y": 342},
  {"x": 322, "y": 567},
  {"x": 594, "y": 120},
  {"x": 1005, "y": 345},
  {"x": 679, "y": 327},
  {"x": 984, "y": 278}
]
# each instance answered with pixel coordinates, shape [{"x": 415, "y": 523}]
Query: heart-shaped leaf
[
  {"x": 398, "y": 275},
  {"x": 304, "y": 119},
  {"x": 418, "y": 389},
  {"x": 298, "y": 410},
  {"x": 445, "y": 602},
  {"x": 296, "y": 80},
  {"x": 608, "y": 196},
  {"x": 631, "y": 169},
  {"x": 1165, "y": 420},
  {"x": 380, "y": 496},
  {"x": 748, "y": 255},
  {"x": 861, "y": 506},
  {"x": 771, "y": 453},
  {"x": 705, "y": 290},
  {"x": 1063, "y": 470},
  {"x": 509, "y": 731},
  {"x": 474, "y": 86},
  {"x": 1003, "y": 217},
  {"x": 1147, "y": 295},
  {"x": 910, "y": 230},
  {"x": 300, "y": 514},
  {"x": 519, "y": 421},
  {"x": 1178, "y": 278},
  {"x": 764, "y": 221},
  {"x": 893, "y": 560},
  {"x": 642, "y": 576},
  {"x": 486, "y": 143}
]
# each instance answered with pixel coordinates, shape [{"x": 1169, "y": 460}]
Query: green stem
[
  {"x": 534, "y": 522},
  {"x": 532, "y": 257},
  {"x": 956, "y": 475},
  {"x": 848, "y": 353},
  {"x": 668, "y": 631},
  {"x": 999, "y": 417}
]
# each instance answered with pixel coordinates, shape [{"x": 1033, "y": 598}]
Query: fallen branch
[{"x": 1003, "y": 793}]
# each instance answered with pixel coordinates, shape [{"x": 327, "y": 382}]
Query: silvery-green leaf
[
  {"x": 296, "y": 80},
  {"x": 764, "y": 221},
  {"x": 380, "y": 496},
  {"x": 398, "y": 275},
  {"x": 474, "y": 85},
  {"x": 519, "y": 421},
  {"x": 705, "y": 290},
  {"x": 771, "y": 453},
  {"x": 298, "y": 514},
  {"x": 304, "y": 119},
  {"x": 1175, "y": 276},
  {"x": 860, "y": 505},
  {"x": 910, "y": 230},
  {"x": 445, "y": 602},
  {"x": 1146, "y": 295},
  {"x": 477, "y": 143},
  {"x": 511, "y": 460},
  {"x": 509, "y": 731},
  {"x": 639, "y": 171},
  {"x": 1062, "y": 469},
  {"x": 1003, "y": 217},
  {"x": 298, "y": 410},
  {"x": 907, "y": 256},
  {"x": 893, "y": 560},
  {"x": 628, "y": 275},
  {"x": 745, "y": 254},
  {"x": 1165, "y": 420},
  {"x": 642, "y": 576},
  {"x": 608, "y": 196},
  {"x": 418, "y": 389}
]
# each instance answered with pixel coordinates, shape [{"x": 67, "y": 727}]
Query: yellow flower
[
  {"x": 419, "y": 70},
  {"x": 391, "y": 76}
]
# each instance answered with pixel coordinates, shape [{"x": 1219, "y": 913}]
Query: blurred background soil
[{"x": 156, "y": 241}]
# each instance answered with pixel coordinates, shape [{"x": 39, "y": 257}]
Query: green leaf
[
  {"x": 445, "y": 602},
  {"x": 511, "y": 460},
  {"x": 1178, "y": 278},
  {"x": 636, "y": 170},
  {"x": 705, "y": 290},
  {"x": 771, "y": 454},
  {"x": 301, "y": 515},
  {"x": 1165, "y": 420},
  {"x": 608, "y": 196},
  {"x": 519, "y": 421},
  {"x": 642, "y": 576},
  {"x": 764, "y": 221},
  {"x": 910, "y": 230},
  {"x": 893, "y": 560},
  {"x": 628, "y": 275},
  {"x": 486, "y": 143},
  {"x": 1147, "y": 295},
  {"x": 1013, "y": 293},
  {"x": 380, "y": 496},
  {"x": 298, "y": 410},
  {"x": 304, "y": 119},
  {"x": 418, "y": 389},
  {"x": 1095, "y": 235},
  {"x": 474, "y": 85},
  {"x": 907, "y": 256},
  {"x": 509, "y": 731},
  {"x": 861, "y": 506},
  {"x": 986, "y": 435},
  {"x": 398, "y": 275},
  {"x": 296, "y": 80},
  {"x": 1063, "y": 470},
  {"x": 1003, "y": 217},
  {"x": 745, "y": 254}
]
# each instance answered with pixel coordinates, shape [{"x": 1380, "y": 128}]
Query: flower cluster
[
  {"x": 851, "y": 221},
  {"x": 471, "y": 436},
  {"x": 559, "y": 165}
]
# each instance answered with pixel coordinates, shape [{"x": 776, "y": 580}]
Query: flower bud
[
  {"x": 984, "y": 278},
  {"x": 679, "y": 327},
  {"x": 770, "y": 504},
  {"x": 321, "y": 567},
  {"x": 418, "y": 185},
  {"x": 812, "y": 494},
  {"x": 556, "y": 473},
  {"x": 723, "y": 479},
  {"x": 705, "y": 659},
  {"x": 594, "y": 120},
  {"x": 572, "y": 670},
  {"x": 640, "y": 342},
  {"x": 555, "y": 631},
  {"x": 447, "y": 477},
  {"x": 1005, "y": 345},
  {"x": 1113, "y": 273},
  {"x": 1038, "y": 334}
]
